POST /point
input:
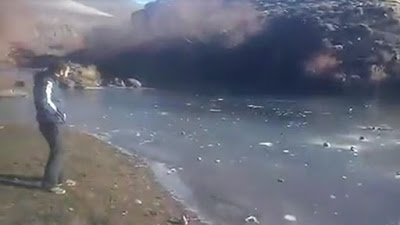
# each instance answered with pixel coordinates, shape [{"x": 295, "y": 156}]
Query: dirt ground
[
  {"x": 6, "y": 82},
  {"x": 112, "y": 188}
]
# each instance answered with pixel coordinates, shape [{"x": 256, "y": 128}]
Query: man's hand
[{"x": 62, "y": 117}]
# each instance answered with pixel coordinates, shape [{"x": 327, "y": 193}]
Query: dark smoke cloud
[{"x": 231, "y": 22}]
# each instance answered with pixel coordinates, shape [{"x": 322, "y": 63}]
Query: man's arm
[{"x": 48, "y": 104}]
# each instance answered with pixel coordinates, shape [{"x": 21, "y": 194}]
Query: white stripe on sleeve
[{"x": 49, "y": 89}]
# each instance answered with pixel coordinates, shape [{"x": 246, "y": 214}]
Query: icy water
[{"x": 234, "y": 157}]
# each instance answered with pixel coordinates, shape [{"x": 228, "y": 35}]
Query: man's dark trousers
[{"x": 53, "y": 174}]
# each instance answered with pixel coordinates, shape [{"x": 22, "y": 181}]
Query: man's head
[{"x": 60, "y": 70}]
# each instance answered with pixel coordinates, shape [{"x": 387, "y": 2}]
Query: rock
[
  {"x": 252, "y": 219},
  {"x": 19, "y": 83},
  {"x": 280, "y": 180},
  {"x": 81, "y": 76},
  {"x": 397, "y": 175},
  {"x": 138, "y": 201},
  {"x": 326, "y": 144},
  {"x": 338, "y": 47},
  {"x": 290, "y": 218},
  {"x": 151, "y": 212},
  {"x": 353, "y": 149},
  {"x": 362, "y": 138},
  {"x": 332, "y": 196},
  {"x": 132, "y": 82},
  {"x": 174, "y": 220},
  {"x": 171, "y": 171}
]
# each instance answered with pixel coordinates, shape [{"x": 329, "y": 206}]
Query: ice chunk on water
[
  {"x": 215, "y": 110},
  {"x": 290, "y": 218},
  {"x": 286, "y": 151},
  {"x": 267, "y": 144},
  {"x": 255, "y": 106}
]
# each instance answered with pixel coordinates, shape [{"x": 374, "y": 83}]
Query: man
[{"x": 50, "y": 116}]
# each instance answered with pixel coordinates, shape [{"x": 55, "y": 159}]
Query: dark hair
[{"x": 56, "y": 66}]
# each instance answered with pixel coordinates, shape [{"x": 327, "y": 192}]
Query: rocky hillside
[
  {"x": 302, "y": 45},
  {"x": 327, "y": 46},
  {"x": 361, "y": 37}
]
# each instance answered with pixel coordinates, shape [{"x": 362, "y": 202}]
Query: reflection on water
[{"x": 213, "y": 145}]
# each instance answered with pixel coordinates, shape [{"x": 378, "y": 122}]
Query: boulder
[
  {"x": 82, "y": 76},
  {"x": 19, "y": 83},
  {"x": 132, "y": 82}
]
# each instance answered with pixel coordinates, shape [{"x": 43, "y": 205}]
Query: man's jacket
[{"x": 47, "y": 99}]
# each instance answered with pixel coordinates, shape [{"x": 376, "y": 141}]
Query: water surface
[{"x": 207, "y": 150}]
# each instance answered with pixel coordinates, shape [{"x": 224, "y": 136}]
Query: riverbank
[{"x": 112, "y": 188}]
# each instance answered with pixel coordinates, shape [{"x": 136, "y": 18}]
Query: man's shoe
[{"x": 57, "y": 190}]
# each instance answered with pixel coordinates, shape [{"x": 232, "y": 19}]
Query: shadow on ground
[{"x": 20, "y": 181}]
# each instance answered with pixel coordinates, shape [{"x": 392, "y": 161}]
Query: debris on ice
[
  {"x": 353, "y": 149},
  {"x": 171, "y": 171},
  {"x": 268, "y": 144},
  {"x": 286, "y": 151},
  {"x": 290, "y": 218},
  {"x": 215, "y": 110},
  {"x": 252, "y": 219},
  {"x": 326, "y": 144},
  {"x": 255, "y": 106}
]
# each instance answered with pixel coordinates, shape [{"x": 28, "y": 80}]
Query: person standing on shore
[{"x": 51, "y": 117}]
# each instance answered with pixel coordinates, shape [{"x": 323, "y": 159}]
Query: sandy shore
[{"x": 112, "y": 189}]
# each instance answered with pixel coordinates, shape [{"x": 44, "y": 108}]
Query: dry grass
[{"x": 108, "y": 184}]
